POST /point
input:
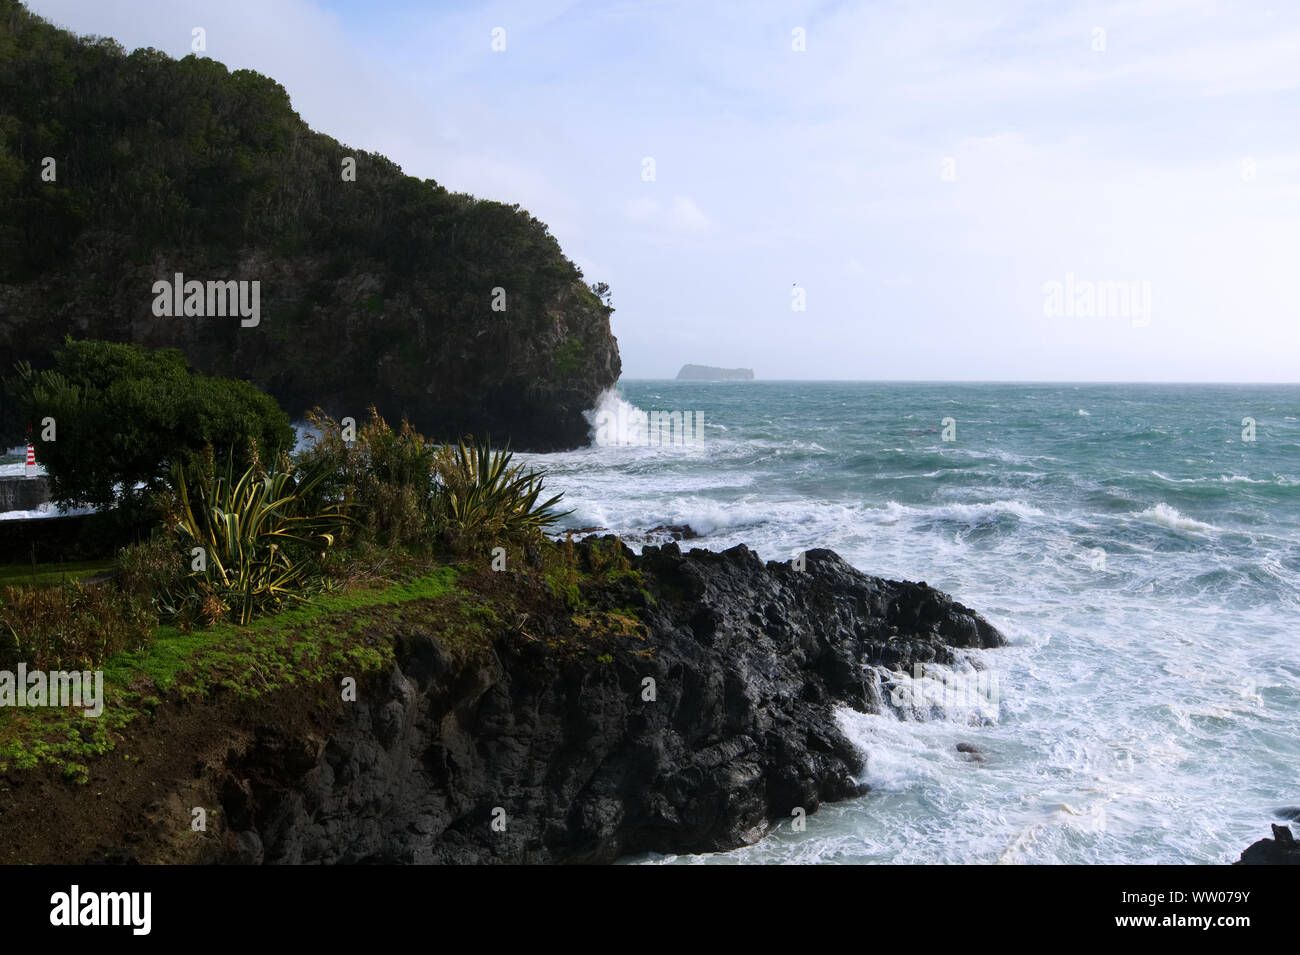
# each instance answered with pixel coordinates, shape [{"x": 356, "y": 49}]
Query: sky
[{"x": 960, "y": 190}]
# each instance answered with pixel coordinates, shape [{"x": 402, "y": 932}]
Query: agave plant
[
  {"x": 259, "y": 547},
  {"x": 484, "y": 498}
]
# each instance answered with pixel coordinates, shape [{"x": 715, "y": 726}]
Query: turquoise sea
[{"x": 1140, "y": 554}]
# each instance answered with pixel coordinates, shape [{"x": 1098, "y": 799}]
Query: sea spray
[{"x": 617, "y": 423}]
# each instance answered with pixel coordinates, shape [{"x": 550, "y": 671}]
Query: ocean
[{"x": 1141, "y": 554}]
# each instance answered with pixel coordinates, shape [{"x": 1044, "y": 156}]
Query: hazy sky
[{"x": 922, "y": 171}]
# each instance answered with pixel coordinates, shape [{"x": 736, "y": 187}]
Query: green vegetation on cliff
[
  {"x": 119, "y": 170},
  {"x": 566, "y": 600}
]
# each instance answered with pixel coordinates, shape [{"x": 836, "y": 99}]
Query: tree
[{"x": 108, "y": 421}]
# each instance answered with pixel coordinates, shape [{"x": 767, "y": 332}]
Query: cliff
[
  {"x": 692, "y": 730},
  {"x": 709, "y": 373},
  {"x": 119, "y": 171}
]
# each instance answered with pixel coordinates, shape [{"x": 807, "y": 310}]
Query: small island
[{"x": 709, "y": 373}]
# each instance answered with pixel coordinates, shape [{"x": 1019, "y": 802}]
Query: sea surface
[{"x": 1141, "y": 556}]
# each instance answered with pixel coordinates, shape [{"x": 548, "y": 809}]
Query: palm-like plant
[
  {"x": 483, "y": 497},
  {"x": 259, "y": 546}
]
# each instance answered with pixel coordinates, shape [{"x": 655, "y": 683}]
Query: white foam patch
[
  {"x": 45, "y": 510},
  {"x": 1171, "y": 517},
  {"x": 977, "y": 513}
]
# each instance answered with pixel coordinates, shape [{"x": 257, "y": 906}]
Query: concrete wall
[{"x": 22, "y": 493}]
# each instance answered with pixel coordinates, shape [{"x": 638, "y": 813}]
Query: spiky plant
[
  {"x": 260, "y": 545},
  {"x": 483, "y": 498}
]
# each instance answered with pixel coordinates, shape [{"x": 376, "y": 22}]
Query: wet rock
[
  {"x": 748, "y": 662},
  {"x": 1282, "y": 849}
]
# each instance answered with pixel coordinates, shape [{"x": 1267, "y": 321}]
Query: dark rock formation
[
  {"x": 692, "y": 736},
  {"x": 677, "y": 532},
  {"x": 1282, "y": 849},
  {"x": 709, "y": 373},
  {"x": 659, "y": 534}
]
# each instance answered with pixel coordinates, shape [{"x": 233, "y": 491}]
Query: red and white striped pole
[{"x": 31, "y": 461}]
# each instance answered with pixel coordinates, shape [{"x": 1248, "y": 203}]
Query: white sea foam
[
  {"x": 1147, "y": 696},
  {"x": 45, "y": 510},
  {"x": 1169, "y": 516},
  {"x": 893, "y": 512},
  {"x": 616, "y": 422}
]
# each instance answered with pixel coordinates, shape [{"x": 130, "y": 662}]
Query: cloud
[
  {"x": 683, "y": 215},
  {"x": 774, "y": 165},
  {"x": 643, "y": 209},
  {"x": 687, "y": 217}
]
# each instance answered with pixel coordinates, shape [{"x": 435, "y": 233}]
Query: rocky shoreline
[
  {"x": 686, "y": 703},
  {"x": 694, "y": 736},
  {"x": 697, "y": 730}
]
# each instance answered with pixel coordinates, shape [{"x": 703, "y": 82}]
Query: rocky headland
[
  {"x": 695, "y": 714},
  {"x": 357, "y": 284}
]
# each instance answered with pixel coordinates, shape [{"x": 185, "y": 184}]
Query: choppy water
[{"x": 1140, "y": 555}]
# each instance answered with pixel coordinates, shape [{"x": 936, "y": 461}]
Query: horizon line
[{"x": 954, "y": 381}]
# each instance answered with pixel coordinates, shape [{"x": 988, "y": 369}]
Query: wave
[
  {"x": 893, "y": 511},
  {"x": 1279, "y": 480},
  {"x": 1171, "y": 517},
  {"x": 614, "y": 421},
  {"x": 45, "y": 510}
]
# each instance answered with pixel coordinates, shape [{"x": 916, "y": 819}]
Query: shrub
[
  {"x": 152, "y": 567},
  {"x": 75, "y": 626},
  {"x": 482, "y": 499},
  {"x": 385, "y": 479},
  {"x": 125, "y": 416},
  {"x": 261, "y": 543}
]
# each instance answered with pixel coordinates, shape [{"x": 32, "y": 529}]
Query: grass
[
  {"x": 572, "y": 603},
  {"x": 336, "y": 635},
  {"x": 50, "y": 575}
]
